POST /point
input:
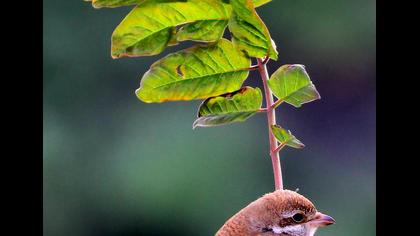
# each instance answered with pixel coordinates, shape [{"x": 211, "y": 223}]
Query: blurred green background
[{"x": 116, "y": 166}]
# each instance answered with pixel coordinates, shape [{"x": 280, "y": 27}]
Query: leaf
[
  {"x": 258, "y": 3},
  {"x": 229, "y": 108},
  {"x": 207, "y": 30},
  {"x": 195, "y": 73},
  {"x": 291, "y": 83},
  {"x": 148, "y": 28},
  {"x": 120, "y": 3},
  {"x": 151, "y": 26},
  {"x": 249, "y": 32},
  {"x": 114, "y": 3},
  {"x": 285, "y": 137},
  {"x": 202, "y": 31}
]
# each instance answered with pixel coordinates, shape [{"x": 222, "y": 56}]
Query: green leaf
[
  {"x": 229, "y": 108},
  {"x": 249, "y": 32},
  {"x": 120, "y": 3},
  {"x": 152, "y": 25},
  {"x": 114, "y": 3},
  {"x": 202, "y": 31},
  {"x": 208, "y": 30},
  {"x": 258, "y": 3},
  {"x": 148, "y": 28},
  {"x": 285, "y": 137},
  {"x": 195, "y": 73},
  {"x": 291, "y": 84}
]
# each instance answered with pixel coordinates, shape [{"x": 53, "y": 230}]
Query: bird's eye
[{"x": 298, "y": 217}]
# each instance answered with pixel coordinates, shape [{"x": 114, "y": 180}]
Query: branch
[
  {"x": 271, "y": 118},
  {"x": 279, "y": 148},
  {"x": 266, "y": 59},
  {"x": 257, "y": 67}
]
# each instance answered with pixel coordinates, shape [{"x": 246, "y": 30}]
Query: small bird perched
[{"x": 281, "y": 213}]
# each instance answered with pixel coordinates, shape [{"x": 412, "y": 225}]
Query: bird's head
[{"x": 285, "y": 213}]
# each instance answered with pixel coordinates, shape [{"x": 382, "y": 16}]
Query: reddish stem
[
  {"x": 271, "y": 117},
  {"x": 257, "y": 67}
]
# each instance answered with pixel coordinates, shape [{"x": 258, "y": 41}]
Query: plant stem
[{"x": 271, "y": 117}]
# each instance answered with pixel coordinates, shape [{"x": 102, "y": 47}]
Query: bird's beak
[{"x": 321, "y": 220}]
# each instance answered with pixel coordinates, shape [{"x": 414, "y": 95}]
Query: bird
[{"x": 280, "y": 213}]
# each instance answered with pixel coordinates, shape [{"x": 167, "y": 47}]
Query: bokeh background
[{"x": 116, "y": 166}]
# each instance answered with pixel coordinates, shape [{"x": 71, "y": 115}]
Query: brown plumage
[{"x": 281, "y": 213}]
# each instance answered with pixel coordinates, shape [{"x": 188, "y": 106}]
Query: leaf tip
[
  {"x": 115, "y": 55},
  {"x": 140, "y": 95},
  {"x": 195, "y": 124},
  {"x": 95, "y": 5},
  {"x": 317, "y": 95}
]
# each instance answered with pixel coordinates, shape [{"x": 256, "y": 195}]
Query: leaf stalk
[
  {"x": 257, "y": 67},
  {"x": 276, "y": 104},
  {"x": 279, "y": 148}
]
